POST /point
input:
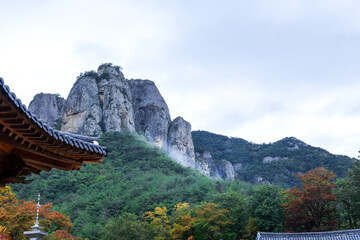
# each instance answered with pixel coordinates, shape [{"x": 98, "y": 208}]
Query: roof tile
[{"x": 70, "y": 139}]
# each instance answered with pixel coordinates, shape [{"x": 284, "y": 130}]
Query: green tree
[
  {"x": 348, "y": 191},
  {"x": 127, "y": 226},
  {"x": 238, "y": 206},
  {"x": 266, "y": 207}
]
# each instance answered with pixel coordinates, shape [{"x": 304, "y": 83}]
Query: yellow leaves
[
  {"x": 180, "y": 206},
  {"x": 161, "y": 213},
  {"x": 4, "y": 234},
  {"x": 182, "y": 227},
  {"x": 182, "y": 222},
  {"x": 159, "y": 221},
  {"x": 208, "y": 220},
  {"x": 149, "y": 215},
  {"x": 3, "y": 229},
  {"x": 6, "y": 196}
]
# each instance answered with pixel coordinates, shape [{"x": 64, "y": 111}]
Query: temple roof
[
  {"x": 332, "y": 235},
  {"x": 29, "y": 145}
]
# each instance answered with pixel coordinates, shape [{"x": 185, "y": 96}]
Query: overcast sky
[{"x": 259, "y": 70}]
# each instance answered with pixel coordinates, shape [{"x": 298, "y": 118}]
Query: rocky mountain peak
[
  {"x": 106, "y": 101},
  {"x": 49, "y": 108},
  {"x": 292, "y": 143},
  {"x": 106, "y": 70}
]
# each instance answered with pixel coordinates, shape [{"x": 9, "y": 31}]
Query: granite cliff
[
  {"x": 48, "y": 107},
  {"x": 151, "y": 113},
  {"x": 104, "y": 100}
]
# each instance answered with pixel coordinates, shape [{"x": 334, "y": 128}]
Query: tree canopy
[{"x": 312, "y": 207}]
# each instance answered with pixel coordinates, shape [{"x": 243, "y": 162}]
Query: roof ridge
[
  {"x": 304, "y": 235},
  {"x": 68, "y": 138}
]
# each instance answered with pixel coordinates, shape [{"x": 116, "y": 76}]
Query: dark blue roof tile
[
  {"x": 18, "y": 103},
  {"x": 338, "y": 235},
  {"x": 50, "y": 132},
  {"x": 86, "y": 147},
  {"x": 6, "y": 88},
  {"x": 23, "y": 108},
  {"x": 12, "y": 96},
  {"x": 71, "y": 139}
]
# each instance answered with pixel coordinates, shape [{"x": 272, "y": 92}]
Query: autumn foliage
[
  {"x": 311, "y": 208},
  {"x": 183, "y": 222},
  {"x": 206, "y": 221},
  {"x": 18, "y": 216}
]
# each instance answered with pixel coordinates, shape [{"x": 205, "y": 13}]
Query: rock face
[
  {"x": 272, "y": 159},
  {"x": 115, "y": 99},
  {"x": 220, "y": 169},
  {"x": 151, "y": 113},
  {"x": 82, "y": 112},
  {"x": 49, "y": 108},
  {"x": 106, "y": 101},
  {"x": 226, "y": 170},
  {"x": 180, "y": 144},
  {"x": 203, "y": 163},
  {"x": 99, "y": 102}
]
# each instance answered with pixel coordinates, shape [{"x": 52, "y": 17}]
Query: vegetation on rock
[{"x": 274, "y": 162}]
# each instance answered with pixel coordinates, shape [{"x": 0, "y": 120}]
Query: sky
[{"x": 260, "y": 70}]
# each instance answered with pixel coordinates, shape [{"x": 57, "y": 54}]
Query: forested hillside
[
  {"x": 274, "y": 162},
  {"x": 135, "y": 177},
  {"x": 140, "y": 193}
]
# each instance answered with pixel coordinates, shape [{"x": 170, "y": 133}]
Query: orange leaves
[
  {"x": 58, "y": 219},
  {"x": 183, "y": 222},
  {"x": 312, "y": 207},
  {"x": 62, "y": 235},
  {"x": 19, "y": 216}
]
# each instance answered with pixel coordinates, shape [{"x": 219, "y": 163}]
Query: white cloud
[{"x": 260, "y": 70}]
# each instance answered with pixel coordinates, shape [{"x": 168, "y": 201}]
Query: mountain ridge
[
  {"x": 268, "y": 162},
  {"x": 104, "y": 100}
]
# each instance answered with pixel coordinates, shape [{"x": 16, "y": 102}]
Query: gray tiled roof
[
  {"x": 332, "y": 235},
  {"x": 73, "y": 140}
]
